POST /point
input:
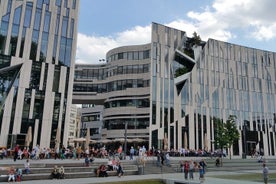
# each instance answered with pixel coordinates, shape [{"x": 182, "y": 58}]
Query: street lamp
[
  {"x": 244, "y": 141},
  {"x": 125, "y": 140}
]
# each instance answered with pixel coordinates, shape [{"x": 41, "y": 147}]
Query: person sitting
[
  {"x": 18, "y": 176},
  {"x": 61, "y": 173},
  {"x": 101, "y": 171},
  {"x": 86, "y": 161},
  {"x": 109, "y": 165},
  {"x": 120, "y": 171},
  {"x": 114, "y": 164},
  {"x": 55, "y": 173},
  {"x": 11, "y": 174},
  {"x": 27, "y": 167}
]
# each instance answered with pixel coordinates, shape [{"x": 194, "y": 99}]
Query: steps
[{"x": 41, "y": 171}]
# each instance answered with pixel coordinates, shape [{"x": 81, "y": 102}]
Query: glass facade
[
  {"x": 223, "y": 83},
  {"x": 188, "y": 95},
  {"x": 44, "y": 89}
]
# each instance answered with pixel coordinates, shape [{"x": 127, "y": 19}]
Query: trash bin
[
  {"x": 141, "y": 170},
  {"x": 243, "y": 156}
]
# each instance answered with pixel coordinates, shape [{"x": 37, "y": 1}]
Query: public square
[{"x": 170, "y": 178}]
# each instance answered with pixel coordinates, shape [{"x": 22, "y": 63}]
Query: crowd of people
[
  {"x": 188, "y": 167},
  {"x": 100, "y": 152},
  {"x": 191, "y": 166}
]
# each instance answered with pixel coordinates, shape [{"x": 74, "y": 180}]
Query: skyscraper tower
[{"x": 37, "y": 51}]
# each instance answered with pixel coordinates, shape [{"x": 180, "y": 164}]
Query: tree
[
  {"x": 195, "y": 40},
  {"x": 226, "y": 133},
  {"x": 231, "y": 132}
]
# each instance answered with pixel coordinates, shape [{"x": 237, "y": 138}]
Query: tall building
[
  {"x": 121, "y": 85},
  {"x": 176, "y": 87},
  {"x": 37, "y": 51}
]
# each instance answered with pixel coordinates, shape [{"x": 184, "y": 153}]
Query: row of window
[
  {"x": 140, "y": 103},
  {"x": 131, "y": 55},
  {"x": 88, "y": 118},
  {"x": 111, "y": 86},
  {"x": 103, "y": 73},
  {"x": 135, "y": 123}
]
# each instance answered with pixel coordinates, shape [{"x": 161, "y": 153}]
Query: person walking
[
  {"x": 131, "y": 151},
  {"x": 167, "y": 159},
  {"x": 191, "y": 170},
  {"x": 186, "y": 169},
  {"x": 265, "y": 173},
  {"x": 203, "y": 164},
  {"x": 16, "y": 150},
  {"x": 158, "y": 161}
]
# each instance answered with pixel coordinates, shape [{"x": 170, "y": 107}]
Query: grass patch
[
  {"x": 257, "y": 177},
  {"x": 138, "y": 182}
]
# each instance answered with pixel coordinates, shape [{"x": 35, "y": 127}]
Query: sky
[{"x": 106, "y": 24}]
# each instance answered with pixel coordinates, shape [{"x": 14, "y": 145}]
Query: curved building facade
[
  {"x": 122, "y": 86},
  {"x": 174, "y": 90}
]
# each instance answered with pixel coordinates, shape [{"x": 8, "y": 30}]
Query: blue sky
[{"x": 107, "y": 24}]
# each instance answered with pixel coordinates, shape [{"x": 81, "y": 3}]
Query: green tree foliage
[
  {"x": 195, "y": 40},
  {"x": 226, "y": 133},
  {"x": 180, "y": 71},
  {"x": 231, "y": 131}
]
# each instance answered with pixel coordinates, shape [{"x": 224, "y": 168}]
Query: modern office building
[
  {"x": 37, "y": 51},
  {"x": 121, "y": 85},
  {"x": 175, "y": 87}
]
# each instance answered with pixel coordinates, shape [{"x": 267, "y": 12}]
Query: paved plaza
[{"x": 169, "y": 178}]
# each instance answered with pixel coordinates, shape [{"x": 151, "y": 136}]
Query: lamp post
[
  {"x": 125, "y": 148},
  {"x": 244, "y": 141}
]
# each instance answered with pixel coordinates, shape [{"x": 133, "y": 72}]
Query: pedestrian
[
  {"x": 158, "y": 161},
  {"x": 201, "y": 173},
  {"x": 186, "y": 169},
  {"x": 203, "y": 164},
  {"x": 265, "y": 173},
  {"x": 191, "y": 170},
  {"x": 167, "y": 159},
  {"x": 74, "y": 153},
  {"x": 79, "y": 151},
  {"x": 16, "y": 149},
  {"x": 56, "y": 152},
  {"x": 131, "y": 151}
]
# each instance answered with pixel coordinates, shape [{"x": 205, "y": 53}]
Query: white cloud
[
  {"x": 264, "y": 32},
  {"x": 90, "y": 49},
  {"x": 255, "y": 17},
  {"x": 226, "y": 15}
]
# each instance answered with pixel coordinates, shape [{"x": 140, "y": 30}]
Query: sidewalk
[{"x": 169, "y": 178}]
